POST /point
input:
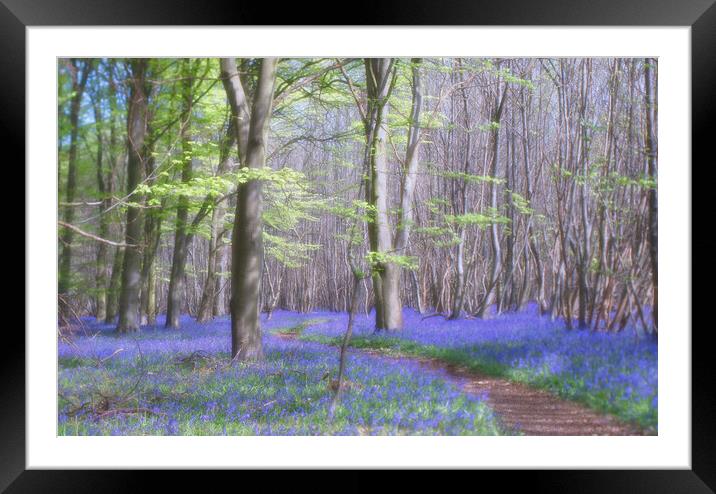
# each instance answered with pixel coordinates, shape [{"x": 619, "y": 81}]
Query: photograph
[
  {"x": 343, "y": 246},
  {"x": 414, "y": 236}
]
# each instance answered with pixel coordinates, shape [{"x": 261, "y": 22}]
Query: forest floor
[
  {"x": 592, "y": 377},
  {"x": 529, "y": 410},
  {"x": 520, "y": 408},
  {"x": 535, "y": 412},
  {"x": 514, "y": 374}
]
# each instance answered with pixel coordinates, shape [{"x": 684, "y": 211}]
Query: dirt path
[
  {"x": 532, "y": 411},
  {"x": 522, "y": 408}
]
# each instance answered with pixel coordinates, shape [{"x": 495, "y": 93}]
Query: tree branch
[{"x": 93, "y": 237}]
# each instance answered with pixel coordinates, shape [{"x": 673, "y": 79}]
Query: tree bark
[
  {"x": 458, "y": 301},
  {"x": 386, "y": 273},
  {"x": 652, "y": 155},
  {"x": 79, "y": 73},
  {"x": 496, "y": 263},
  {"x": 175, "y": 295},
  {"x": 102, "y": 265},
  {"x": 247, "y": 241},
  {"x": 114, "y": 286},
  {"x": 208, "y": 304},
  {"x": 378, "y": 79},
  {"x": 136, "y": 132}
]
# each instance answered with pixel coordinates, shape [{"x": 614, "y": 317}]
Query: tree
[
  {"x": 175, "y": 296},
  {"x": 388, "y": 252},
  {"x": 209, "y": 299},
  {"x": 79, "y": 73},
  {"x": 651, "y": 156},
  {"x": 104, "y": 187},
  {"x": 251, "y": 126},
  {"x": 136, "y": 134},
  {"x": 496, "y": 262},
  {"x": 115, "y": 161},
  {"x": 380, "y": 78}
]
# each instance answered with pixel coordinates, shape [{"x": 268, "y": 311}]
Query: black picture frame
[{"x": 16, "y": 15}]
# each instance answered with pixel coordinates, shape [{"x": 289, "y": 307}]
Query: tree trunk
[
  {"x": 584, "y": 250},
  {"x": 247, "y": 241},
  {"x": 459, "y": 289},
  {"x": 175, "y": 295},
  {"x": 652, "y": 154},
  {"x": 102, "y": 264},
  {"x": 208, "y": 304},
  {"x": 114, "y": 286},
  {"x": 378, "y": 74},
  {"x": 114, "y": 222},
  {"x": 136, "y": 132},
  {"x": 386, "y": 273},
  {"x": 496, "y": 263},
  {"x": 79, "y": 81},
  {"x": 152, "y": 232}
]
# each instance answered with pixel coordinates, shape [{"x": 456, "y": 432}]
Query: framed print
[{"x": 252, "y": 244}]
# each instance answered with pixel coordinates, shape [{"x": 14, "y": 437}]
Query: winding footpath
[
  {"x": 519, "y": 407},
  {"x": 532, "y": 411}
]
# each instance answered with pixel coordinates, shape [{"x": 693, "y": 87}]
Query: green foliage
[
  {"x": 196, "y": 188},
  {"x": 358, "y": 210},
  {"x": 376, "y": 260},
  {"x": 289, "y": 202},
  {"x": 602, "y": 183},
  {"x": 435, "y": 203},
  {"x": 472, "y": 178},
  {"x": 519, "y": 203},
  {"x": 489, "y": 127},
  {"x": 290, "y": 254},
  {"x": 504, "y": 73},
  {"x": 478, "y": 219}
]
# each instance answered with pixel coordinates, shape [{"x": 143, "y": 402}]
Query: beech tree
[
  {"x": 79, "y": 72},
  {"x": 250, "y": 122},
  {"x": 175, "y": 296},
  {"x": 651, "y": 154},
  {"x": 387, "y": 249},
  {"x": 136, "y": 134}
]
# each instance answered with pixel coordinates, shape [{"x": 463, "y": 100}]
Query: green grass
[
  {"x": 297, "y": 329},
  {"x": 637, "y": 413}
]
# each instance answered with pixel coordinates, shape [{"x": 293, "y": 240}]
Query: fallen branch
[
  {"x": 122, "y": 411},
  {"x": 101, "y": 361},
  {"x": 433, "y": 315}
]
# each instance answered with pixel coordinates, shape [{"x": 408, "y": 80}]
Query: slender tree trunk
[
  {"x": 342, "y": 361},
  {"x": 79, "y": 82},
  {"x": 508, "y": 299},
  {"x": 534, "y": 251},
  {"x": 175, "y": 295},
  {"x": 207, "y": 306},
  {"x": 219, "y": 283},
  {"x": 152, "y": 232},
  {"x": 652, "y": 155},
  {"x": 114, "y": 286},
  {"x": 459, "y": 298},
  {"x": 584, "y": 251},
  {"x": 112, "y": 291},
  {"x": 496, "y": 264},
  {"x": 102, "y": 264}
]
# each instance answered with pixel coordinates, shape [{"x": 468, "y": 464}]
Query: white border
[{"x": 671, "y": 449}]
